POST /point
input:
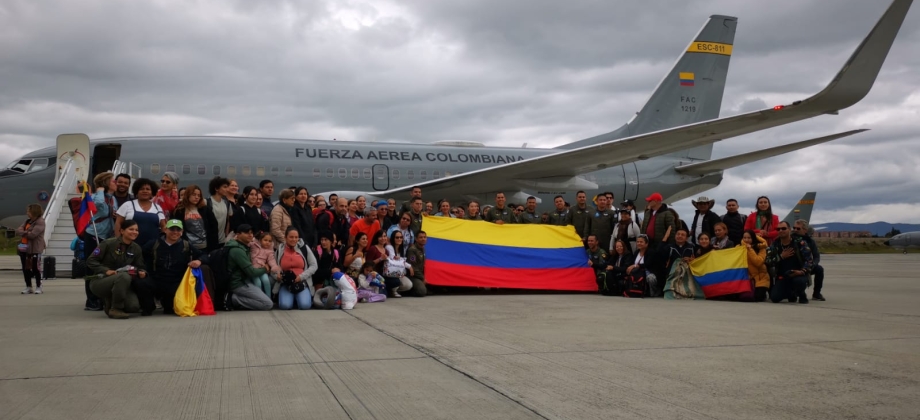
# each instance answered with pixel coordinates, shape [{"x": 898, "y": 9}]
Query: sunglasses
[
  {"x": 166, "y": 181},
  {"x": 397, "y": 237},
  {"x": 782, "y": 228},
  {"x": 176, "y": 229}
]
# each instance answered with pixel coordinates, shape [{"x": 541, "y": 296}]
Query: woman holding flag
[{"x": 99, "y": 227}]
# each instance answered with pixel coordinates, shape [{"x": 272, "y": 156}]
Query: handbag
[
  {"x": 288, "y": 279},
  {"x": 23, "y": 248},
  {"x": 395, "y": 268}
]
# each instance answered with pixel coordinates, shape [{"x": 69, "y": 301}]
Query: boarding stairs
[{"x": 59, "y": 227}]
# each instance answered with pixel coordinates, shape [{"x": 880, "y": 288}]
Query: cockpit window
[
  {"x": 21, "y": 166},
  {"x": 38, "y": 164}
]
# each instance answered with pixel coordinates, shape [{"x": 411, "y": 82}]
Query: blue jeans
[
  {"x": 789, "y": 288},
  {"x": 265, "y": 283},
  {"x": 286, "y": 299}
]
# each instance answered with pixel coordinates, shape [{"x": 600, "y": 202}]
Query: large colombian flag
[
  {"x": 480, "y": 254},
  {"x": 87, "y": 210},
  {"x": 722, "y": 272}
]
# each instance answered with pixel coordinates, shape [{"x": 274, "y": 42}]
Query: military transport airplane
[{"x": 666, "y": 147}]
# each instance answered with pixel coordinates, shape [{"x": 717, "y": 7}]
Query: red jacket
[{"x": 768, "y": 232}]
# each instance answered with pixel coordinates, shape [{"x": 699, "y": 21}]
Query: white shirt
[{"x": 127, "y": 210}]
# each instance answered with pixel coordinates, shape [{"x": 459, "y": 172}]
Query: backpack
[
  {"x": 635, "y": 285},
  {"x": 185, "y": 251},
  {"x": 78, "y": 248},
  {"x": 75, "y": 203},
  {"x": 218, "y": 260},
  {"x": 331, "y": 218},
  {"x": 607, "y": 283},
  {"x": 335, "y": 252}
]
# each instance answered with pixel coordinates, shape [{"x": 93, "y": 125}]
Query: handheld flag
[
  {"x": 722, "y": 272},
  {"x": 192, "y": 297},
  {"x": 87, "y": 210},
  {"x": 477, "y": 254}
]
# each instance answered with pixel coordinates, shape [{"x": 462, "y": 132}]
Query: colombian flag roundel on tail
[{"x": 480, "y": 254}]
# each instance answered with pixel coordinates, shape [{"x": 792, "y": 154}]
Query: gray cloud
[{"x": 503, "y": 73}]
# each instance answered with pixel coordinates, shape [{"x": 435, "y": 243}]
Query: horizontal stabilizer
[{"x": 716, "y": 165}]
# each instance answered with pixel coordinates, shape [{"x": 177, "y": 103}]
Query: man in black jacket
[
  {"x": 339, "y": 225},
  {"x": 802, "y": 230},
  {"x": 734, "y": 221},
  {"x": 704, "y": 220},
  {"x": 167, "y": 258}
]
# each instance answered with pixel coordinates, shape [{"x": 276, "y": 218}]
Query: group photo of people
[{"x": 264, "y": 247}]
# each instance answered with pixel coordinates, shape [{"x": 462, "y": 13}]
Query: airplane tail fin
[
  {"x": 803, "y": 209},
  {"x": 690, "y": 92}
]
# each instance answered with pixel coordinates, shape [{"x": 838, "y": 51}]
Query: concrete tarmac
[{"x": 558, "y": 356}]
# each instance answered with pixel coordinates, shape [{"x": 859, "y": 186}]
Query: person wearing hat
[
  {"x": 659, "y": 222},
  {"x": 166, "y": 259},
  {"x": 626, "y": 230},
  {"x": 239, "y": 266},
  {"x": 631, "y": 207},
  {"x": 704, "y": 220}
]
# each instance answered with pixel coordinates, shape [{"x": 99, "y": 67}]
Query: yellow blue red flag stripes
[
  {"x": 192, "y": 297},
  {"x": 479, "y": 254},
  {"x": 722, "y": 272},
  {"x": 87, "y": 211}
]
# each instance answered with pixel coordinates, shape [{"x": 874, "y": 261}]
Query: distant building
[{"x": 850, "y": 234}]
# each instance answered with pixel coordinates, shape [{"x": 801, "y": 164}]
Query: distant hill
[{"x": 877, "y": 228}]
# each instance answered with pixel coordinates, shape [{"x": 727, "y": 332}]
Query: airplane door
[
  {"x": 381, "y": 177},
  {"x": 631, "y": 175},
  {"x": 76, "y": 146}
]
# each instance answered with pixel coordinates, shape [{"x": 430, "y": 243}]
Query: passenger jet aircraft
[{"x": 666, "y": 147}]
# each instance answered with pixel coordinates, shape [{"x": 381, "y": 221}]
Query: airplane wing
[
  {"x": 848, "y": 87},
  {"x": 715, "y": 165}
]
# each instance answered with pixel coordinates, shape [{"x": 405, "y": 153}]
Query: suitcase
[
  {"x": 49, "y": 268},
  {"x": 77, "y": 268}
]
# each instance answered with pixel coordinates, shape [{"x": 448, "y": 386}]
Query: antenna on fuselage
[{"x": 524, "y": 146}]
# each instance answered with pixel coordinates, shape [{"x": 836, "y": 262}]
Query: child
[
  {"x": 369, "y": 284},
  {"x": 263, "y": 255}
]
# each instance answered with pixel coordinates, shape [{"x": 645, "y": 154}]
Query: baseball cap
[
  {"x": 628, "y": 203},
  {"x": 243, "y": 228},
  {"x": 382, "y": 205},
  {"x": 174, "y": 223},
  {"x": 654, "y": 197}
]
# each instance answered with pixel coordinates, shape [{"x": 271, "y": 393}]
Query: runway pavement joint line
[
  {"x": 452, "y": 367},
  {"x": 307, "y": 363}
]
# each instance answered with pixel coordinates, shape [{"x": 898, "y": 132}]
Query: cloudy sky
[{"x": 503, "y": 73}]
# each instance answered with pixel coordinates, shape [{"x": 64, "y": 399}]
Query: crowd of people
[{"x": 259, "y": 253}]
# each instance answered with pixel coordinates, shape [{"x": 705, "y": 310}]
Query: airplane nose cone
[{"x": 887, "y": 243}]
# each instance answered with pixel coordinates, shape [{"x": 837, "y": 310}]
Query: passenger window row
[{"x": 246, "y": 170}]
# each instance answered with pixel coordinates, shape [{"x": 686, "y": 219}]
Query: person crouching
[{"x": 114, "y": 262}]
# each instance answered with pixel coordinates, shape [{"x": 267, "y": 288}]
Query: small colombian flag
[{"x": 686, "y": 79}]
